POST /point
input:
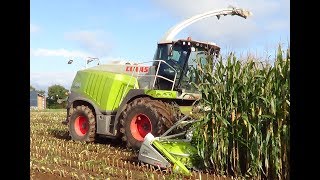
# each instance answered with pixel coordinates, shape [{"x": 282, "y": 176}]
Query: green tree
[
  {"x": 41, "y": 91},
  {"x": 32, "y": 88},
  {"x": 38, "y": 91},
  {"x": 56, "y": 92}
]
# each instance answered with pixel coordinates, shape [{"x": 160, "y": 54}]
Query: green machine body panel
[
  {"x": 105, "y": 89},
  {"x": 161, "y": 94}
]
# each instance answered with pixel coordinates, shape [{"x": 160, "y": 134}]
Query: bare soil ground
[{"x": 53, "y": 155}]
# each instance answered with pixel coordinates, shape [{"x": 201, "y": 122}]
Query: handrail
[{"x": 138, "y": 65}]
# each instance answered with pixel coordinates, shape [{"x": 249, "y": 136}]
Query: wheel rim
[
  {"x": 81, "y": 125},
  {"x": 140, "y": 126}
]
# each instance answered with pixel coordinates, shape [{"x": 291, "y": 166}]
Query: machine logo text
[{"x": 141, "y": 69}]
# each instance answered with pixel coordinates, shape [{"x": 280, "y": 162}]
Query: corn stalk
[{"x": 246, "y": 131}]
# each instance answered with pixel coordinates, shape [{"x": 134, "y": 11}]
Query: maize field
[{"x": 246, "y": 131}]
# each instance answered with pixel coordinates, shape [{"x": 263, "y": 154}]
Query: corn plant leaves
[{"x": 258, "y": 92}]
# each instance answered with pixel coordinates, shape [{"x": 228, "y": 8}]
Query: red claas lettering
[{"x": 143, "y": 69}]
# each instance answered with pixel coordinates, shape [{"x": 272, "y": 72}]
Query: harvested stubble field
[{"x": 53, "y": 155}]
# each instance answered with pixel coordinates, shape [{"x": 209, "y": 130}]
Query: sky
[{"x": 129, "y": 31}]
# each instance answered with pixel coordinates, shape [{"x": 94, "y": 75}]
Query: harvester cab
[{"x": 175, "y": 60}]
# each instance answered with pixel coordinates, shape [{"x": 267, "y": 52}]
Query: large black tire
[
  {"x": 82, "y": 124},
  {"x": 150, "y": 115}
]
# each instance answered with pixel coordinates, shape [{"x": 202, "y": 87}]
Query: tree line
[{"x": 55, "y": 97}]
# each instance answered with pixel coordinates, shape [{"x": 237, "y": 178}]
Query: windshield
[{"x": 198, "y": 54}]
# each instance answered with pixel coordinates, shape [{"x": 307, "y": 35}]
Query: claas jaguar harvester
[{"x": 134, "y": 100}]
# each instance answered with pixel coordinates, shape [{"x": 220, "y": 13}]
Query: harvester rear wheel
[
  {"x": 144, "y": 115},
  {"x": 82, "y": 124}
]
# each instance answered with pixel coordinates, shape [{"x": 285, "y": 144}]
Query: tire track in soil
[{"x": 107, "y": 158}]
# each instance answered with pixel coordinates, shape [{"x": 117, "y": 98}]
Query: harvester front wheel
[
  {"x": 140, "y": 117},
  {"x": 82, "y": 124}
]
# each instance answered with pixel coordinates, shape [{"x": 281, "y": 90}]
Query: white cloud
[
  {"x": 269, "y": 17},
  {"x": 108, "y": 59},
  {"x": 42, "y": 80},
  {"x": 97, "y": 42},
  {"x": 58, "y": 52},
  {"x": 34, "y": 28},
  {"x": 278, "y": 25},
  {"x": 186, "y": 8}
]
